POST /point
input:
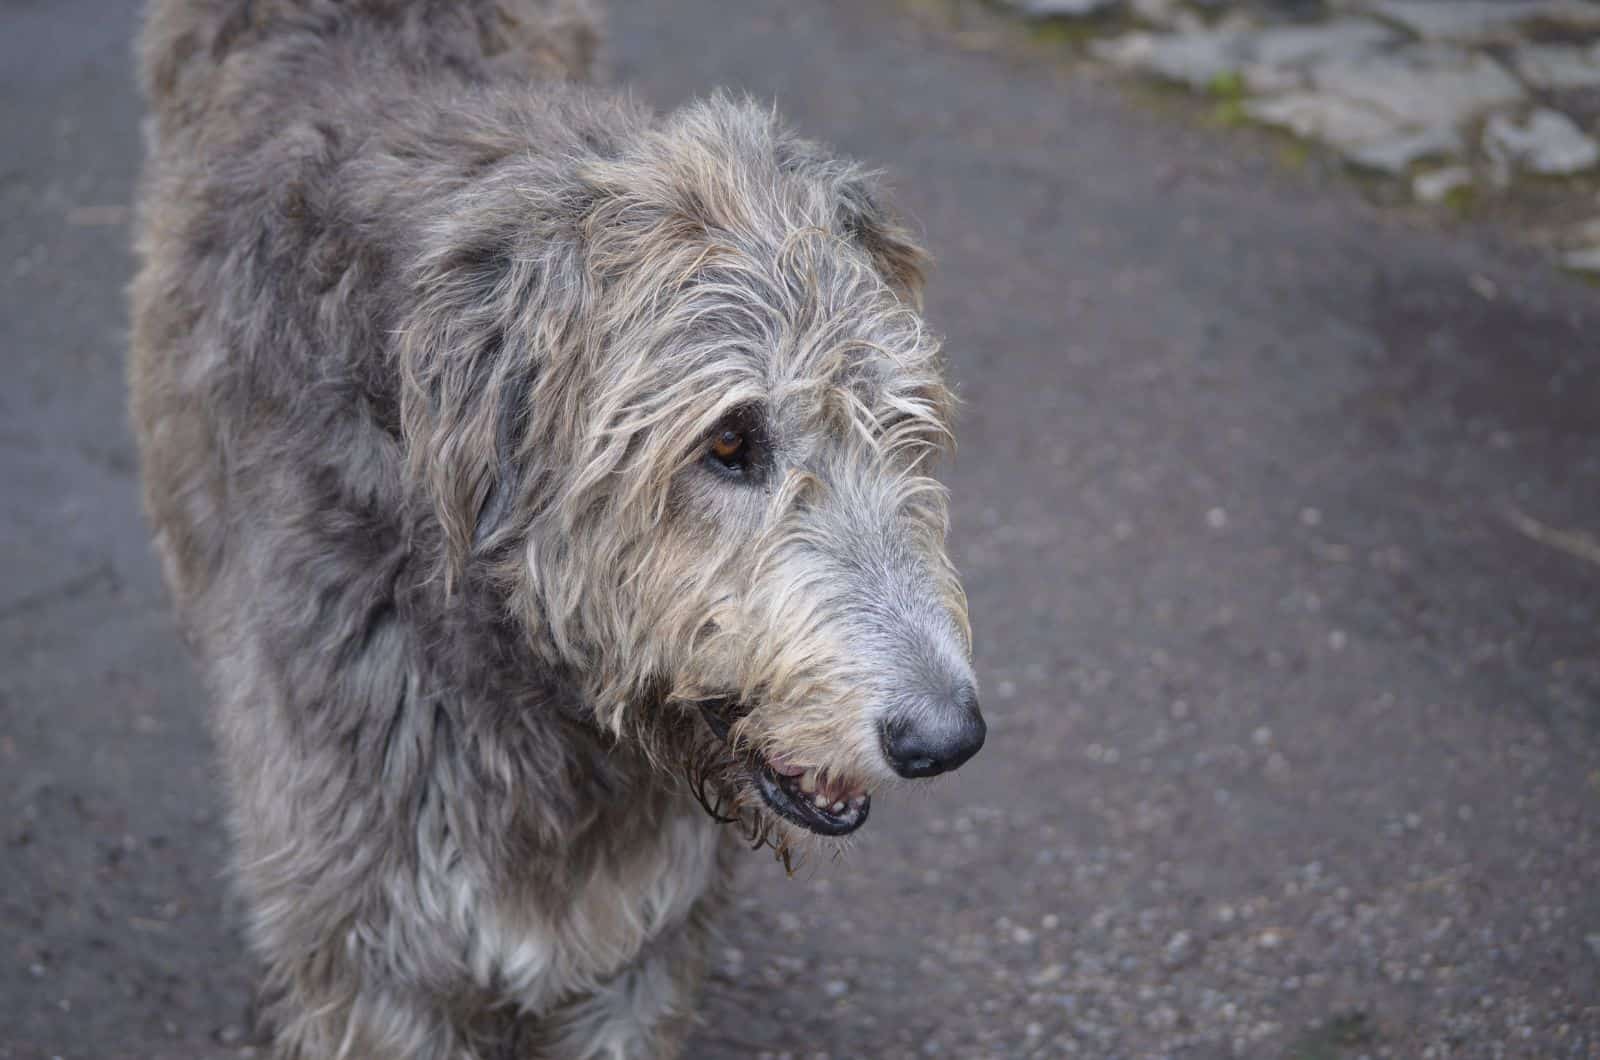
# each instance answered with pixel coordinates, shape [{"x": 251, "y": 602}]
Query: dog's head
[{"x": 687, "y": 416}]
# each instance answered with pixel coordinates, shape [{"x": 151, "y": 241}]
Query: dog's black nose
[{"x": 936, "y": 738}]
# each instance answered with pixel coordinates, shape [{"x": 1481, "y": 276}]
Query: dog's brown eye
[
  {"x": 730, "y": 447},
  {"x": 737, "y": 448}
]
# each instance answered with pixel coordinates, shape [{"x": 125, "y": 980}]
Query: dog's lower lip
[{"x": 797, "y": 809}]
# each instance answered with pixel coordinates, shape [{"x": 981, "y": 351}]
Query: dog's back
[{"x": 197, "y": 54}]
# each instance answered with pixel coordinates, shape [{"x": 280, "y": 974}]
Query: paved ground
[{"x": 1278, "y": 520}]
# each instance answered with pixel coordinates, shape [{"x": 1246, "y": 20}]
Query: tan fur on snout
[{"x": 429, "y": 345}]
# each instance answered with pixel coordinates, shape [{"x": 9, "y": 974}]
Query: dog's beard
[
  {"x": 705, "y": 744},
  {"x": 774, "y": 805},
  {"x": 723, "y": 788}
]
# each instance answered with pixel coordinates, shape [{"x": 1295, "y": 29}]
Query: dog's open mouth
[
  {"x": 817, "y": 804},
  {"x": 802, "y": 796}
]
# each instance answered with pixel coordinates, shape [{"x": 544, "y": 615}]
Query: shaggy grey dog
[{"x": 544, "y": 486}]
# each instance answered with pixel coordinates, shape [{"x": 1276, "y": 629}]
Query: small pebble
[
  {"x": 1050, "y": 973},
  {"x": 1179, "y": 948}
]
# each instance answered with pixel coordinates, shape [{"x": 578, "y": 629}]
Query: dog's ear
[
  {"x": 466, "y": 383},
  {"x": 856, "y": 198},
  {"x": 900, "y": 260}
]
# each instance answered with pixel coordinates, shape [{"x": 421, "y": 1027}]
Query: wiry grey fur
[{"x": 427, "y": 344}]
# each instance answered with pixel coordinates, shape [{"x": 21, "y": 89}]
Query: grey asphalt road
[{"x": 1279, "y": 521}]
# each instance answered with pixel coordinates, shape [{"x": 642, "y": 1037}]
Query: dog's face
[
  {"x": 724, "y": 519},
  {"x": 831, "y": 651}
]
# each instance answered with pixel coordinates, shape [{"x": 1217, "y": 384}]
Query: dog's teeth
[
  {"x": 859, "y": 801},
  {"x": 838, "y": 807},
  {"x": 808, "y": 782},
  {"x": 821, "y": 802}
]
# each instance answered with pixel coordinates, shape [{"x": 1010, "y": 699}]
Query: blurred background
[{"x": 1277, "y": 500}]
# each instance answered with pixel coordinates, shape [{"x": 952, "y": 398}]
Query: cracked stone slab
[
  {"x": 1341, "y": 123},
  {"x": 1366, "y": 136},
  {"x": 1587, "y": 234},
  {"x": 1584, "y": 261},
  {"x": 1424, "y": 85},
  {"x": 1558, "y": 66},
  {"x": 1276, "y": 58},
  {"x": 1269, "y": 58},
  {"x": 1437, "y": 185},
  {"x": 1193, "y": 59},
  {"x": 1548, "y": 143},
  {"x": 1264, "y": 79},
  {"x": 1481, "y": 21},
  {"x": 1299, "y": 45},
  {"x": 1395, "y": 155},
  {"x": 1064, "y": 8}
]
